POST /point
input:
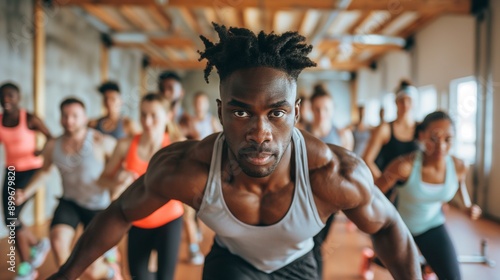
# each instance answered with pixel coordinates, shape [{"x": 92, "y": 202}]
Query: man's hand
[
  {"x": 20, "y": 197},
  {"x": 475, "y": 212}
]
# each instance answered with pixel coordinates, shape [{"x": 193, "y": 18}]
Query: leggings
[
  {"x": 19, "y": 180},
  {"x": 165, "y": 240},
  {"x": 439, "y": 252}
]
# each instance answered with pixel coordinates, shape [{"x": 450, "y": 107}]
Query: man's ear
[
  {"x": 297, "y": 110},
  {"x": 219, "y": 110}
]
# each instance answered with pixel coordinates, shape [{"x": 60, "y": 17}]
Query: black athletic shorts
[
  {"x": 220, "y": 264},
  {"x": 17, "y": 181},
  {"x": 71, "y": 214}
]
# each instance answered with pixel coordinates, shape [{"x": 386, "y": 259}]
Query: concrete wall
[
  {"x": 445, "y": 51},
  {"x": 72, "y": 69},
  {"x": 374, "y": 86}
]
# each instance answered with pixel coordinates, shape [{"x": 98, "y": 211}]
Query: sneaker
[
  {"x": 367, "y": 258},
  {"x": 196, "y": 258},
  {"x": 199, "y": 235},
  {"x": 117, "y": 273},
  {"x": 39, "y": 252},
  {"x": 112, "y": 255},
  {"x": 430, "y": 276},
  {"x": 26, "y": 272}
]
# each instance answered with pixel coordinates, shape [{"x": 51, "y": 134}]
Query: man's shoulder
[
  {"x": 184, "y": 167},
  {"x": 322, "y": 156},
  {"x": 337, "y": 175}
]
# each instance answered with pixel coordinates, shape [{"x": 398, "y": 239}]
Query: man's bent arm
[
  {"x": 392, "y": 240},
  {"x": 107, "y": 228},
  {"x": 394, "y": 245}
]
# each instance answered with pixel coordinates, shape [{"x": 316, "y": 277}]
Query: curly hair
[{"x": 240, "y": 48}]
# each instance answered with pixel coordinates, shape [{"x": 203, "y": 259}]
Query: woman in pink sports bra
[{"x": 17, "y": 134}]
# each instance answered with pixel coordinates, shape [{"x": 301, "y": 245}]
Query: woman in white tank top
[{"x": 432, "y": 178}]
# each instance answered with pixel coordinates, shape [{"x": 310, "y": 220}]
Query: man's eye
[
  {"x": 241, "y": 114},
  {"x": 277, "y": 114}
]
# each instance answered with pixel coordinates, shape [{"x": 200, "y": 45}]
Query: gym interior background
[{"x": 447, "y": 48}]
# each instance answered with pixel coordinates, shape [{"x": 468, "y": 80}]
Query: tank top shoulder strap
[
  {"x": 451, "y": 171},
  {"x": 131, "y": 156},
  {"x": 416, "y": 171},
  {"x": 303, "y": 184},
  {"x": 23, "y": 119},
  {"x": 214, "y": 174},
  {"x": 134, "y": 143},
  {"x": 391, "y": 125}
]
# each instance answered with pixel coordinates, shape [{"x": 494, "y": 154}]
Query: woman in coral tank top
[
  {"x": 18, "y": 136},
  {"x": 161, "y": 231}
]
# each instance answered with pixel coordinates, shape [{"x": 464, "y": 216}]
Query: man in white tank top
[
  {"x": 263, "y": 186},
  {"x": 79, "y": 155}
]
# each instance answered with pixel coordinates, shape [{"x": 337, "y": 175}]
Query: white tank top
[
  {"x": 79, "y": 174},
  {"x": 268, "y": 248}
]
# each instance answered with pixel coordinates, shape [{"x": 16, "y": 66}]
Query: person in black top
[{"x": 390, "y": 140}]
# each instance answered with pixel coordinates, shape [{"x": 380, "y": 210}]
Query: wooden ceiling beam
[
  {"x": 397, "y": 7},
  {"x": 422, "y": 21},
  {"x": 103, "y": 16},
  {"x": 190, "y": 20},
  {"x": 383, "y": 25},
  {"x": 130, "y": 14},
  {"x": 362, "y": 18},
  {"x": 181, "y": 65},
  {"x": 172, "y": 42},
  {"x": 453, "y": 6},
  {"x": 160, "y": 17}
]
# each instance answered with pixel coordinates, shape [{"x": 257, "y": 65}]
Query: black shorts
[
  {"x": 220, "y": 264},
  {"x": 71, "y": 214},
  {"x": 20, "y": 179}
]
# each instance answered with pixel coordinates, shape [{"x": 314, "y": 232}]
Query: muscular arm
[
  {"x": 113, "y": 176},
  {"x": 143, "y": 197},
  {"x": 39, "y": 125},
  {"x": 39, "y": 177},
  {"x": 379, "y": 137},
  {"x": 375, "y": 215},
  {"x": 350, "y": 188}
]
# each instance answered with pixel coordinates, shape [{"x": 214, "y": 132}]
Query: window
[
  {"x": 463, "y": 109},
  {"x": 389, "y": 104},
  {"x": 372, "y": 112},
  {"x": 427, "y": 102}
]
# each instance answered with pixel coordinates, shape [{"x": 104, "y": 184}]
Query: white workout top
[{"x": 268, "y": 248}]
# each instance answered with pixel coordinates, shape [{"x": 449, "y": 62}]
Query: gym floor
[{"x": 342, "y": 251}]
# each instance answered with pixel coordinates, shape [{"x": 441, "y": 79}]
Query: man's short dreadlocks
[{"x": 240, "y": 48}]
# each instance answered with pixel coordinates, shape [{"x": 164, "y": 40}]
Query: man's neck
[
  {"x": 113, "y": 115},
  {"x": 76, "y": 135}
]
